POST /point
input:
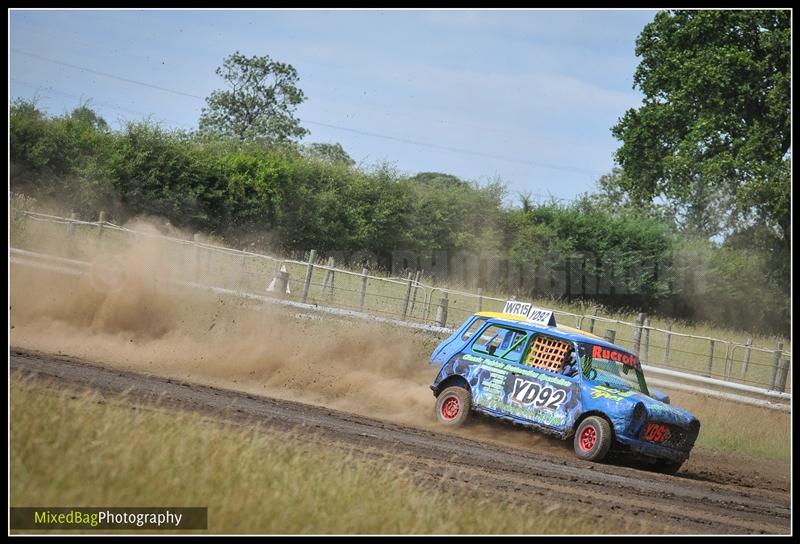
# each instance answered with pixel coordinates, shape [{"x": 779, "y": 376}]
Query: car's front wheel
[
  {"x": 593, "y": 438},
  {"x": 453, "y": 406}
]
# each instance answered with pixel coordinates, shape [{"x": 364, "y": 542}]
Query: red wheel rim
[
  {"x": 587, "y": 438},
  {"x": 451, "y": 407}
]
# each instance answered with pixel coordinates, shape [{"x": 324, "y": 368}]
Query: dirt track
[{"x": 702, "y": 499}]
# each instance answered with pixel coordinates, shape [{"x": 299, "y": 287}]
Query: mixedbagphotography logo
[{"x": 99, "y": 518}]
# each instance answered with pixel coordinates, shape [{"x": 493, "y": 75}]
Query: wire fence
[{"x": 317, "y": 281}]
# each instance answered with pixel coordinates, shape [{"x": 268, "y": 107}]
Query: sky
[{"x": 524, "y": 96}]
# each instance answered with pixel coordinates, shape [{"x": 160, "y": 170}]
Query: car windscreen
[{"x": 611, "y": 367}]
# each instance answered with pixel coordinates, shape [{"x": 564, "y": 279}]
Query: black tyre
[
  {"x": 453, "y": 406},
  {"x": 593, "y": 438},
  {"x": 666, "y": 467}
]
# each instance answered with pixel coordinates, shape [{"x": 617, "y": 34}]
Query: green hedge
[{"x": 285, "y": 199}]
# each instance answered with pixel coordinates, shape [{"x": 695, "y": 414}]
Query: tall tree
[
  {"x": 713, "y": 134},
  {"x": 334, "y": 153},
  {"x": 259, "y": 103}
]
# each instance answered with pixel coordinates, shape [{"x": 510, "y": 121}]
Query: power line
[
  {"x": 327, "y": 125},
  {"x": 109, "y": 105},
  {"x": 104, "y": 74},
  {"x": 456, "y": 149}
]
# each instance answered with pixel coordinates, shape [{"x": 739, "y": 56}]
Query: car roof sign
[{"x": 531, "y": 313}]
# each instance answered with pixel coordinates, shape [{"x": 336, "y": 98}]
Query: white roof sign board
[{"x": 531, "y": 313}]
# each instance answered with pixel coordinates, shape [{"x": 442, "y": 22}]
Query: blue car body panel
[
  {"x": 554, "y": 403},
  {"x": 452, "y": 344}
]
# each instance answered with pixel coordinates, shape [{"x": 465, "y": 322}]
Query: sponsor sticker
[
  {"x": 656, "y": 432},
  {"x": 530, "y": 393},
  {"x": 599, "y": 352},
  {"x": 610, "y": 393}
]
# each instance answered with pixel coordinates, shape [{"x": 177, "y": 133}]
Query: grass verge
[
  {"x": 72, "y": 449},
  {"x": 738, "y": 428}
]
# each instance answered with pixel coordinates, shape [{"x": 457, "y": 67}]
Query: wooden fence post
[
  {"x": 242, "y": 274},
  {"x": 408, "y": 296},
  {"x": 71, "y": 225},
  {"x": 100, "y": 223},
  {"x": 414, "y": 293},
  {"x": 646, "y": 342},
  {"x": 783, "y": 374},
  {"x": 710, "y": 358},
  {"x": 333, "y": 278},
  {"x": 330, "y": 276},
  {"x": 776, "y": 361},
  {"x": 747, "y": 350},
  {"x": 309, "y": 270},
  {"x": 196, "y": 253},
  {"x": 637, "y": 333},
  {"x": 363, "y": 288},
  {"x": 441, "y": 310},
  {"x": 668, "y": 337},
  {"x": 728, "y": 362}
]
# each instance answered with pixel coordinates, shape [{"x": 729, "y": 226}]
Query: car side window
[
  {"x": 548, "y": 353},
  {"x": 514, "y": 345},
  {"x": 502, "y": 342},
  {"x": 473, "y": 328}
]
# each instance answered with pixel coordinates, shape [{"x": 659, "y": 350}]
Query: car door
[
  {"x": 497, "y": 347},
  {"x": 537, "y": 391}
]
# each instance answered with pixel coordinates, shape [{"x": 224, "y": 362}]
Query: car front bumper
[{"x": 655, "y": 451}]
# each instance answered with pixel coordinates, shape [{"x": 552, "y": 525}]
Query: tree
[
  {"x": 713, "y": 134},
  {"x": 610, "y": 196},
  {"x": 161, "y": 172},
  {"x": 610, "y": 192},
  {"x": 84, "y": 114},
  {"x": 58, "y": 158},
  {"x": 453, "y": 214},
  {"x": 260, "y": 101},
  {"x": 526, "y": 203},
  {"x": 333, "y": 153},
  {"x": 438, "y": 179}
]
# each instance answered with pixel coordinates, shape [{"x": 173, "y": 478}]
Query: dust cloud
[{"x": 123, "y": 313}]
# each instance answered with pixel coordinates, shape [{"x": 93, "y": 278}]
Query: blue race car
[{"x": 519, "y": 366}]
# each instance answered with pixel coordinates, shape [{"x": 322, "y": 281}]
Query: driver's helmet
[{"x": 571, "y": 363}]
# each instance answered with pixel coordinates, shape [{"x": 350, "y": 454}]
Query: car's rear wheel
[
  {"x": 453, "y": 406},
  {"x": 593, "y": 438}
]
